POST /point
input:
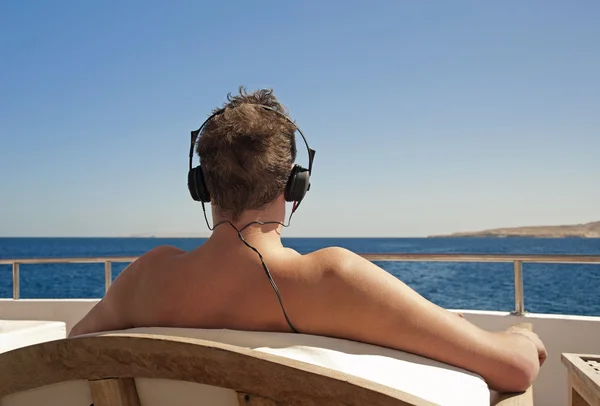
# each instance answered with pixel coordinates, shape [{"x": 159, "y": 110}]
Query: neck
[{"x": 249, "y": 223}]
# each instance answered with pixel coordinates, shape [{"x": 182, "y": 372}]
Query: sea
[{"x": 549, "y": 288}]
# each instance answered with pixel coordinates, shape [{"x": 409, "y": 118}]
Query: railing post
[
  {"x": 15, "y": 270},
  {"x": 519, "y": 294},
  {"x": 107, "y": 275}
]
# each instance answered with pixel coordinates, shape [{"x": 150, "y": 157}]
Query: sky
[{"x": 427, "y": 117}]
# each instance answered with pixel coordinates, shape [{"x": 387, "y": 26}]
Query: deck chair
[{"x": 181, "y": 367}]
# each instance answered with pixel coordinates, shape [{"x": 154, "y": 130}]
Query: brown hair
[{"x": 247, "y": 152}]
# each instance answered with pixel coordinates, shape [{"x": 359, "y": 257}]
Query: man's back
[
  {"x": 208, "y": 287},
  {"x": 331, "y": 292}
]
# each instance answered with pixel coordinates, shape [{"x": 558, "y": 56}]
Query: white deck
[{"x": 575, "y": 334}]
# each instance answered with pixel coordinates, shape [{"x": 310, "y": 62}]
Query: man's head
[{"x": 247, "y": 153}]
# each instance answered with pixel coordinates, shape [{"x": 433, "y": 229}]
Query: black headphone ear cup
[
  {"x": 192, "y": 184},
  {"x": 197, "y": 185},
  {"x": 298, "y": 184}
]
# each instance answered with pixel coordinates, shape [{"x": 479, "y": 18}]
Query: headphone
[{"x": 297, "y": 185}]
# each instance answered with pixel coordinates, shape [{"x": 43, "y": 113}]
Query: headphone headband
[
  {"x": 298, "y": 182},
  {"x": 195, "y": 133}
]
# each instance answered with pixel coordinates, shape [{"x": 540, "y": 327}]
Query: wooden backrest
[{"x": 109, "y": 362}]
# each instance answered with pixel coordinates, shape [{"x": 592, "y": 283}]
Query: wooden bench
[{"x": 133, "y": 368}]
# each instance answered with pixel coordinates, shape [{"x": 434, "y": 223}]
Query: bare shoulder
[
  {"x": 331, "y": 253},
  {"x": 112, "y": 312},
  {"x": 337, "y": 259},
  {"x": 153, "y": 257},
  {"x": 153, "y": 262},
  {"x": 345, "y": 272},
  {"x": 162, "y": 251}
]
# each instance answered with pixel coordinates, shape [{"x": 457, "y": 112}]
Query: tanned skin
[{"x": 331, "y": 292}]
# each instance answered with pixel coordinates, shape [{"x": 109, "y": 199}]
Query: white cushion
[
  {"x": 21, "y": 333},
  {"x": 428, "y": 379}
]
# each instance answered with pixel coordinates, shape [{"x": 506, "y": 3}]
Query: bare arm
[{"x": 367, "y": 304}]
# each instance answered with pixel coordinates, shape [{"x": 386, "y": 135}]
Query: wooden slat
[
  {"x": 577, "y": 399},
  {"x": 580, "y": 394},
  {"x": 516, "y": 399},
  {"x": 114, "y": 392}
]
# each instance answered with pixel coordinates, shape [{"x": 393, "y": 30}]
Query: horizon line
[{"x": 197, "y": 237}]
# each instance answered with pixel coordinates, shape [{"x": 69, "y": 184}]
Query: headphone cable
[{"x": 264, "y": 264}]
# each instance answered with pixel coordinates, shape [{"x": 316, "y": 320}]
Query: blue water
[{"x": 549, "y": 288}]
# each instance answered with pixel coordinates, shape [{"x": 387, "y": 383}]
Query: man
[{"x": 247, "y": 151}]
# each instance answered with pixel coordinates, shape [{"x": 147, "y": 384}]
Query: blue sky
[{"x": 427, "y": 117}]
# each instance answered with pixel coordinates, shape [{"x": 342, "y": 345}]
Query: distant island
[{"x": 588, "y": 230}]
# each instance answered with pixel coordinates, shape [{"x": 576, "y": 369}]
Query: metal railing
[{"x": 516, "y": 260}]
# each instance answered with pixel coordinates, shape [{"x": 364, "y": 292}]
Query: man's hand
[{"x": 530, "y": 335}]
